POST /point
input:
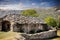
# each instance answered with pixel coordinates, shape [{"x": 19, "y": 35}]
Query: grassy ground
[
  {"x": 11, "y": 35},
  {"x": 7, "y": 35},
  {"x": 57, "y": 38},
  {"x": 58, "y": 32}
]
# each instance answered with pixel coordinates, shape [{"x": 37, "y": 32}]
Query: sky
[{"x": 26, "y": 4}]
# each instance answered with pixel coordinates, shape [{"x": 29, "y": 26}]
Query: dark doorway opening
[
  {"x": 32, "y": 32},
  {"x": 6, "y": 26}
]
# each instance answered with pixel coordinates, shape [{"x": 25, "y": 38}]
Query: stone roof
[{"x": 21, "y": 18}]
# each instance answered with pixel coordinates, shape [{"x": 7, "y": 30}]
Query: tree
[
  {"x": 51, "y": 21},
  {"x": 30, "y": 12}
]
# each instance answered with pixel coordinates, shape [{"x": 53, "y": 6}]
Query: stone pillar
[
  {"x": 11, "y": 28},
  {"x": 0, "y": 26},
  {"x": 28, "y": 28},
  {"x": 25, "y": 28}
]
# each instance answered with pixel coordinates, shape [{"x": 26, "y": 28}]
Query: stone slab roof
[{"x": 21, "y": 18}]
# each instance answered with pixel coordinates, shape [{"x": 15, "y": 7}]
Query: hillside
[
  {"x": 43, "y": 12},
  {"x": 4, "y": 12}
]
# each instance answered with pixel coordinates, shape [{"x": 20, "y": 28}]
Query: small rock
[{"x": 19, "y": 37}]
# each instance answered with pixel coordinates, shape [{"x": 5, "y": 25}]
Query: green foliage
[
  {"x": 30, "y": 12},
  {"x": 58, "y": 22},
  {"x": 51, "y": 21}
]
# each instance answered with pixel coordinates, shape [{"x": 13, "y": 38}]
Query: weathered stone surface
[
  {"x": 31, "y": 27},
  {"x": 25, "y": 23},
  {"x": 1, "y": 24},
  {"x": 19, "y": 37},
  {"x": 22, "y": 19},
  {"x": 42, "y": 35}
]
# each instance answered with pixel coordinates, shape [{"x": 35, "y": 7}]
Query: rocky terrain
[
  {"x": 50, "y": 11},
  {"x": 4, "y": 12},
  {"x": 43, "y": 12}
]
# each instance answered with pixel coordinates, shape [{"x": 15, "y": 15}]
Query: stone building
[{"x": 20, "y": 23}]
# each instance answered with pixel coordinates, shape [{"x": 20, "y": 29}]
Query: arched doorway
[{"x": 5, "y": 26}]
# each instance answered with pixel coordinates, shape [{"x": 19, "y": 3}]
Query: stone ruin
[{"x": 30, "y": 27}]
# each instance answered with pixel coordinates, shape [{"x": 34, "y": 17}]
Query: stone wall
[
  {"x": 0, "y": 26},
  {"x": 42, "y": 35},
  {"x": 1, "y": 23},
  {"x": 29, "y": 27}
]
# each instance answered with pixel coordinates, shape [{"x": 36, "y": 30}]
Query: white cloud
[
  {"x": 33, "y": 4},
  {"x": 12, "y": 6},
  {"x": 19, "y": 6},
  {"x": 43, "y": 3}
]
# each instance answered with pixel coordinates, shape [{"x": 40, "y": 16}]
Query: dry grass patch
[{"x": 7, "y": 35}]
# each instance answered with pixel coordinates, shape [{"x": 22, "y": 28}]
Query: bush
[
  {"x": 58, "y": 22},
  {"x": 30, "y": 12},
  {"x": 51, "y": 21}
]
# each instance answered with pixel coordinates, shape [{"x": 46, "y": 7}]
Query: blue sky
[{"x": 25, "y": 4}]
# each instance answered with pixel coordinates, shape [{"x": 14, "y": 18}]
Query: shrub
[
  {"x": 30, "y": 12},
  {"x": 51, "y": 21}
]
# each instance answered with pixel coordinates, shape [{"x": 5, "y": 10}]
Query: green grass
[{"x": 7, "y": 35}]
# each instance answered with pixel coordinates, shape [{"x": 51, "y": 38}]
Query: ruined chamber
[{"x": 29, "y": 27}]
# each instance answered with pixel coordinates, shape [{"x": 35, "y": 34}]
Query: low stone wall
[{"x": 41, "y": 35}]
